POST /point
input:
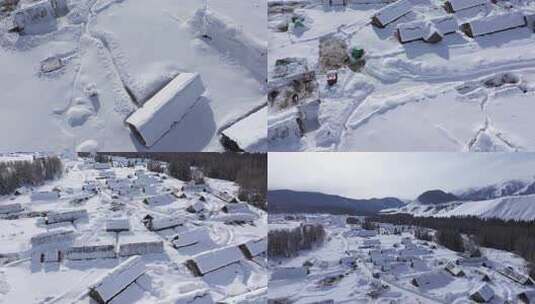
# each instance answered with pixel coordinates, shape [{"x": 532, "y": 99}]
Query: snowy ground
[
  {"x": 126, "y": 51},
  {"x": 414, "y": 89},
  {"x": 357, "y": 282},
  {"x": 23, "y": 281}
]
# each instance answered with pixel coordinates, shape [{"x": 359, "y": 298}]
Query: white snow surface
[
  {"x": 117, "y": 54},
  {"x": 433, "y": 94}
]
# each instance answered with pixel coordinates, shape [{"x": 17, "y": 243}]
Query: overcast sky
[{"x": 404, "y": 175}]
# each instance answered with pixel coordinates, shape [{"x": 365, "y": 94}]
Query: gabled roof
[
  {"x": 115, "y": 281},
  {"x": 254, "y": 248},
  {"x": 482, "y": 293},
  {"x": 191, "y": 237},
  {"x": 457, "y": 5},
  {"x": 165, "y": 108},
  {"x": 392, "y": 12},
  {"x": 212, "y": 260},
  {"x": 493, "y": 24}
]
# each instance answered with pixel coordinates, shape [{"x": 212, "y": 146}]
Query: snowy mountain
[
  {"x": 509, "y": 200},
  {"x": 507, "y": 188},
  {"x": 436, "y": 197},
  {"x": 288, "y": 201}
]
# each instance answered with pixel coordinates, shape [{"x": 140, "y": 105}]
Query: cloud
[{"x": 405, "y": 175}]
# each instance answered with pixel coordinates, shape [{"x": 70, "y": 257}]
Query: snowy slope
[{"x": 124, "y": 51}]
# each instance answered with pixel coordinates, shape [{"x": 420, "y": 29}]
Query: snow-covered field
[
  {"x": 115, "y": 55},
  {"x": 460, "y": 94},
  {"x": 31, "y": 272},
  {"x": 380, "y": 268}
]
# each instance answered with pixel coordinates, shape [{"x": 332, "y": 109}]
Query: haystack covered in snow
[
  {"x": 161, "y": 199},
  {"x": 452, "y": 6},
  {"x": 10, "y": 208},
  {"x": 161, "y": 223},
  {"x": 87, "y": 251},
  {"x": 139, "y": 245},
  {"x": 482, "y": 293},
  {"x": 117, "y": 280},
  {"x": 65, "y": 216},
  {"x": 289, "y": 273},
  {"x": 430, "y": 31},
  {"x": 493, "y": 24},
  {"x": 156, "y": 117},
  {"x": 391, "y": 13},
  {"x": 118, "y": 225},
  {"x": 213, "y": 260},
  {"x": 44, "y": 195},
  {"x": 254, "y": 248},
  {"x": 191, "y": 237}
]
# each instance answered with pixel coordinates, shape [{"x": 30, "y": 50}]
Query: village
[
  {"x": 344, "y": 75},
  {"x": 165, "y": 90},
  {"x": 385, "y": 263},
  {"x": 116, "y": 232}
]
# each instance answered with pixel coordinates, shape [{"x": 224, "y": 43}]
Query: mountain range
[{"x": 512, "y": 199}]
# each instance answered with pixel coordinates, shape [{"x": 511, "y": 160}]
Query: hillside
[{"x": 288, "y": 201}]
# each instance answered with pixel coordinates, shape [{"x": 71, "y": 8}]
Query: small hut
[
  {"x": 161, "y": 223},
  {"x": 191, "y": 237}
]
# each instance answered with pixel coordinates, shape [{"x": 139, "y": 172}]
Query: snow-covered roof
[
  {"x": 496, "y": 23},
  {"x": 429, "y": 279},
  {"x": 117, "y": 279},
  {"x": 118, "y": 224},
  {"x": 482, "y": 292},
  {"x": 289, "y": 273},
  {"x": 422, "y": 29},
  {"x": 392, "y": 12},
  {"x": 165, "y": 108},
  {"x": 10, "y": 208},
  {"x": 249, "y": 133},
  {"x": 236, "y": 208},
  {"x": 215, "y": 259},
  {"x": 254, "y": 247},
  {"x": 161, "y": 199},
  {"x": 44, "y": 195},
  {"x": 236, "y": 217},
  {"x": 161, "y": 223},
  {"x": 65, "y": 215},
  {"x": 457, "y": 5},
  {"x": 191, "y": 237},
  {"x": 54, "y": 236}
]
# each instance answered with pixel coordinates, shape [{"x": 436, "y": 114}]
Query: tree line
[
  {"x": 288, "y": 242},
  {"x": 248, "y": 170},
  {"x": 509, "y": 235},
  {"x": 15, "y": 174}
]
